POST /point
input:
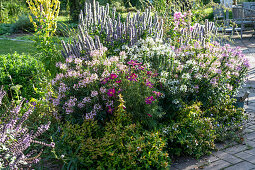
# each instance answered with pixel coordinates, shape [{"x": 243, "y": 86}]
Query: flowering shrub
[
  {"x": 228, "y": 120},
  {"x": 191, "y": 133},
  {"x": 15, "y": 138},
  {"x": 119, "y": 145},
  {"x": 89, "y": 89},
  {"x": 191, "y": 73}
]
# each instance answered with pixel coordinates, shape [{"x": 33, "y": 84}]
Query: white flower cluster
[{"x": 148, "y": 50}]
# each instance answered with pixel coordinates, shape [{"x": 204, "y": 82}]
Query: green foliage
[
  {"x": 118, "y": 145},
  {"x": 22, "y": 25},
  {"x": 10, "y": 10},
  {"x": 229, "y": 120},
  {"x": 22, "y": 73},
  {"x": 5, "y": 28},
  {"x": 191, "y": 134}
]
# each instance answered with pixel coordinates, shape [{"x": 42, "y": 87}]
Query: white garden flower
[
  {"x": 183, "y": 88},
  {"x": 186, "y": 76},
  {"x": 175, "y": 101}
]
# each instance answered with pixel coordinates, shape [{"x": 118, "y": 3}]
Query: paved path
[{"x": 233, "y": 156}]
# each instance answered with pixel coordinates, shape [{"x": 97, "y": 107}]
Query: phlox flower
[
  {"x": 229, "y": 87},
  {"x": 77, "y": 61},
  {"x": 69, "y": 110},
  {"x": 69, "y": 60},
  {"x": 107, "y": 63},
  {"x": 56, "y": 102},
  {"x": 118, "y": 81},
  {"x": 71, "y": 102},
  {"x": 94, "y": 93},
  {"x": 114, "y": 59},
  {"x": 218, "y": 71},
  {"x": 111, "y": 92},
  {"x": 148, "y": 100}
]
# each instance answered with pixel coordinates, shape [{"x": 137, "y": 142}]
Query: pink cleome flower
[{"x": 148, "y": 100}]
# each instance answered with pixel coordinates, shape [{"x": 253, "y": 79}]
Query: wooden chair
[
  {"x": 239, "y": 18},
  {"x": 218, "y": 14},
  {"x": 249, "y": 13}
]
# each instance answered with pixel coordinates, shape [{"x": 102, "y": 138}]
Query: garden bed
[{"x": 118, "y": 93}]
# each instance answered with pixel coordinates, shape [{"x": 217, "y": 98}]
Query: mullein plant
[
  {"x": 45, "y": 14},
  {"x": 96, "y": 22},
  {"x": 15, "y": 138}
]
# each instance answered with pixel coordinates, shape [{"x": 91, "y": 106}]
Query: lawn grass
[{"x": 10, "y": 46}]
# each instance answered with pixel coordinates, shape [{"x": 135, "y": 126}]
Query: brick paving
[{"x": 233, "y": 156}]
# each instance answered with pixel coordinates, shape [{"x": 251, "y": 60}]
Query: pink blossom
[
  {"x": 111, "y": 92},
  {"x": 81, "y": 105},
  {"x": 110, "y": 109},
  {"x": 102, "y": 89},
  {"x": 149, "y": 115},
  {"x": 157, "y": 93},
  {"x": 122, "y": 53},
  {"x": 94, "y": 93},
  {"x": 132, "y": 77},
  {"x": 86, "y": 100},
  {"x": 109, "y": 103},
  {"x": 149, "y": 84},
  {"x": 113, "y": 76},
  {"x": 148, "y": 100},
  {"x": 133, "y": 63},
  {"x": 105, "y": 81}
]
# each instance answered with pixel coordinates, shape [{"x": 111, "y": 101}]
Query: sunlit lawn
[{"x": 10, "y": 46}]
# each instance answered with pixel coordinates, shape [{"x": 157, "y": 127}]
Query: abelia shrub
[
  {"x": 191, "y": 134},
  {"x": 120, "y": 144}
]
